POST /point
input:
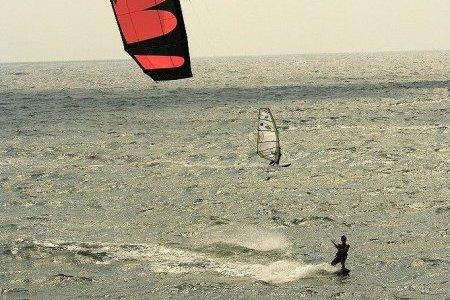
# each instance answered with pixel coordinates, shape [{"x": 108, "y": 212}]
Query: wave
[{"x": 248, "y": 237}]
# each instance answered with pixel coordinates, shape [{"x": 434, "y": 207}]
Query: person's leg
[
  {"x": 343, "y": 262},
  {"x": 335, "y": 261}
]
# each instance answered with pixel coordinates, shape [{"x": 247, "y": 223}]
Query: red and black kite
[{"x": 154, "y": 34}]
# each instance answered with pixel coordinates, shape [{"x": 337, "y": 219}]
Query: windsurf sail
[
  {"x": 153, "y": 33},
  {"x": 268, "y": 142}
]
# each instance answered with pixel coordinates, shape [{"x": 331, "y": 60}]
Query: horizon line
[{"x": 234, "y": 56}]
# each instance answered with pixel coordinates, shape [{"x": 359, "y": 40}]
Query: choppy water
[{"x": 113, "y": 186}]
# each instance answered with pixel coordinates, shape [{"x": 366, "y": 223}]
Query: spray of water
[{"x": 161, "y": 259}]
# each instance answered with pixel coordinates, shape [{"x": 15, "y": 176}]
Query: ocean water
[{"x": 112, "y": 186}]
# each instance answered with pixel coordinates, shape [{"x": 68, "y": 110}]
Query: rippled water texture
[{"x": 114, "y": 186}]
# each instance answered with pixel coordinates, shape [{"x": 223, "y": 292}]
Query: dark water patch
[
  {"x": 144, "y": 210},
  {"x": 37, "y": 175},
  {"x": 198, "y": 200},
  {"x": 195, "y": 264},
  {"x": 224, "y": 249},
  {"x": 336, "y": 118},
  {"x": 96, "y": 157},
  {"x": 388, "y": 172},
  {"x": 141, "y": 133},
  {"x": 409, "y": 119},
  {"x": 38, "y": 218},
  {"x": 300, "y": 221},
  {"x": 11, "y": 226},
  {"x": 130, "y": 158},
  {"x": 348, "y": 224},
  {"x": 442, "y": 129},
  {"x": 153, "y": 164},
  {"x": 231, "y": 157},
  {"x": 5, "y": 250},
  {"x": 100, "y": 256},
  {"x": 412, "y": 194},
  {"x": 442, "y": 209},
  {"x": 308, "y": 292},
  {"x": 63, "y": 277},
  {"x": 389, "y": 242},
  {"x": 70, "y": 155},
  {"x": 68, "y": 250},
  {"x": 21, "y": 132},
  {"x": 192, "y": 188},
  {"x": 185, "y": 288},
  {"x": 24, "y": 192},
  {"x": 17, "y": 293},
  {"x": 434, "y": 261},
  {"x": 388, "y": 156},
  {"x": 337, "y": 295},
  {"x": 199, "y": 287},
  {"x": 131, "y": 247},
  {"x": 216, "y": 220},
  {"x": 307, "y": 120},
  {"x": 336, "y": 149},
  {"x": 216, "y": 94},
  {"x": 284, "y": 125},
  {"x": 378, "y": 118},
  {"x": 278, "y": 217}
]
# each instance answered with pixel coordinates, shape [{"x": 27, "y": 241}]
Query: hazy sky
[{"x": 32, "y": 30}]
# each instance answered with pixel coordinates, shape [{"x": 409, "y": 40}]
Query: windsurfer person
[
  {"x": 341, "y": 254},
  {"x": 277, "y": 161}
]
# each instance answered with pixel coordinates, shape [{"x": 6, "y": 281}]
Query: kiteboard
[
  {"x": 343, "y": 272},
  {"x": 280, "y": 166}
]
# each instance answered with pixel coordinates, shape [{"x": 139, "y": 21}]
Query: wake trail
[{"x": 162, "y": 259}]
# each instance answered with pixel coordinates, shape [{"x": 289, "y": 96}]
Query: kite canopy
[{"x": 154, "y": 34}]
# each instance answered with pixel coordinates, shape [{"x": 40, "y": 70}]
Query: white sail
[{"x": 268, "y": 141}]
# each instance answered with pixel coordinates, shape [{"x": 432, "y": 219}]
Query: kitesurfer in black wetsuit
[{"x": 341, "y": 255}]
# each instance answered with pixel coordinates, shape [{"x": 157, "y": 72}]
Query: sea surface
[{"x": 113, "y": 186}]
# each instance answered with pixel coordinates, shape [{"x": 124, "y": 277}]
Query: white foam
[
  {"x": 286, "y": 271},
  {"x": 276, "y": 272},
  {"x": 162, "y": 259}
]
